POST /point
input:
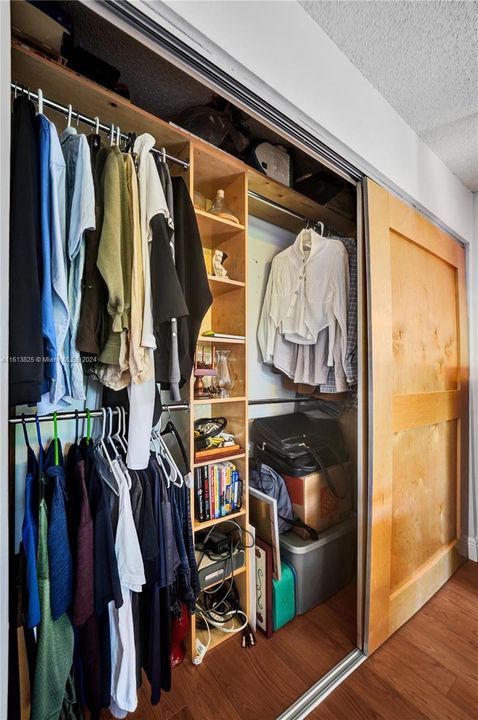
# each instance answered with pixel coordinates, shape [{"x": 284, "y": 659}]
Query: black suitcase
[{"x": 297, "y": 444}]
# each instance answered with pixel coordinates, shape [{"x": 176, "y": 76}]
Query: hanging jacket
[{"x": 192, "y": 275}]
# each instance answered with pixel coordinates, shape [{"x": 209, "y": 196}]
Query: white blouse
[{"x": 306, "y": 293}]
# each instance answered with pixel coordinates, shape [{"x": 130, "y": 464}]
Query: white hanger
[
  {"x": 97, "y": 125},
  {"x": 123, "y": 415},
  {"x": 102, "y": 444},
  {"x": 117, "y": 436},
  {"x": 70, "y": 111},
  {"x": 118, "y": 135},
  {"x": 112, "y": 134},
  {"x": 176, "y": 477},
  {"x": 40, "y": 101}
]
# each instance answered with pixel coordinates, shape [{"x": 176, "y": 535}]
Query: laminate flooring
[
  {"x": 235, "y": 683},
  {"x": 428, "y": 670}
]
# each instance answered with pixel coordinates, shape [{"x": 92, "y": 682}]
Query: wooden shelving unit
[{"x": 211, "y": 171}]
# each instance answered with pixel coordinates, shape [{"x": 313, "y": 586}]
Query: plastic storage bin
[{"x": 324, "y": 566}]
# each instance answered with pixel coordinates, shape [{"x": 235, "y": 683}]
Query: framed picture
[
  {"x": 263, "y": 515},
  {"x": 263, "y": 553}
]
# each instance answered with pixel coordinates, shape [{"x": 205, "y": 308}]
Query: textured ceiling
[{"x": 423, "y": 58}]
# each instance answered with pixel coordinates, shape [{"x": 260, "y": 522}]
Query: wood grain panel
[
  {"x": 424, "y": 311},
  {"x": 424, "y": 408},
  {"x": 419, "y": 383},
  {"x": 380, "y": 324},
  {"x": 424, "y": 497}
]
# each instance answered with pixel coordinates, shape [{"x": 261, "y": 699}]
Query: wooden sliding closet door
[{"x": 419, "y": 409}]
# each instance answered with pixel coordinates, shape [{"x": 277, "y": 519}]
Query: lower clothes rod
[
  {"x": 276, "y": 401},
  {"x": 81, "y": 414},
  {"x": 92, "y": 122}
]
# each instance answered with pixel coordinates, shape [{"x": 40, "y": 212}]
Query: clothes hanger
[
  {"x": 123, "y": 415},
  {"x": 55, "y": 439},
  {"x": 112, "y": 135},
  {"x": 118, "y": 436},
  {"x": 70, "y": 112},
  {"x": 42, "y": 482},
  {"x": 88, "y": 426},
  {"x": 170, "y": 428},
  {"x": 188, "y": 476},
  {"x": 76, "y": 427},
  {"x": 101, "y": 443},
  {"x": 159, "y": 454},
  {"x": 40, "y": 101}
]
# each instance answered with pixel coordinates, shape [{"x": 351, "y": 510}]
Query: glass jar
[{"x": 224, "y": 379}]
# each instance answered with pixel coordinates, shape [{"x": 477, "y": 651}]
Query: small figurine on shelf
[{"x": 217, "y": 264}]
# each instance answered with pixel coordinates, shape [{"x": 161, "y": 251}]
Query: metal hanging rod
[
  {"x": 81, "y": 414},
  {"x": 86, "y": 120},
  {"x": 283, "y": 209},
  {"x": 276, "y": 401}
]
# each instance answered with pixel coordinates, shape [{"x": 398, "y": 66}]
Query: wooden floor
[
  {"x": 427, "y": 670},
  {"x": 259, "y": 683}
]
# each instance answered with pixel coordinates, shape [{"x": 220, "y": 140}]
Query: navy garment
[
  {"x": 155, "y": 607},
  {"x": 30, "y": 540},
  {"x": 59, "y": 552},
  {"x": 26, "y": 273},
  {"x": 48, "y": 327}
]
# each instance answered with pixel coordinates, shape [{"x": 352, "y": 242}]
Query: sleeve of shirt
[
  {"x": 267, "y": 327},
  {"x": 83, "y": 203},
  {"x": 341, "y": 282},
  {"x": 109, "y": 251}
]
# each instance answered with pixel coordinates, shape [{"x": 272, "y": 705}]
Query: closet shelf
[
  {"x": 66, "y": 86},
  {"x": 217, "y": 521},
  {"x": 237, "y": 572},
  {"x": 219, "y": 286},
  {"x": 217, "y": 401},
  {"x": 218, "y": 459},
  {"x": 292, "y": 200},
  {"x": 217, "y": 637},
  {"x": 220, "y": 341},
  {"x": 215, "y": 230}
]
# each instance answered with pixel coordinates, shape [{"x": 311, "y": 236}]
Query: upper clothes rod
[
  {"x": 86, "y": 120},
  {"x": 282, "y": 208},
  {"x": 81, "y": 414}
]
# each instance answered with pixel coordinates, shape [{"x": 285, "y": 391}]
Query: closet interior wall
[{"x": 263, "y": 231}]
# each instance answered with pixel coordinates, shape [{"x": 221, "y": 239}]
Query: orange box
[{"x": 314, "y": 502}]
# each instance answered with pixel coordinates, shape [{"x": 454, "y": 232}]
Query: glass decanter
[{"x": 224, "y": 379}]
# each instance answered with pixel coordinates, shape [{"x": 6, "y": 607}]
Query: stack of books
[{"x": 217, "y": 491}]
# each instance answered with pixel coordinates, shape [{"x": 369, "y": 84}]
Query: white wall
[
  {"x": 472, "y": 539},
  {"x": 265, "y": 241},
  {"x": 275, "y": 49}
]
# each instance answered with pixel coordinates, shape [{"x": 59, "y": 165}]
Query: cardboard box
[{"x": 313, "y": 501}]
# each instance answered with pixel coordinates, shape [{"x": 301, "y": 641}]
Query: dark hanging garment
[
  {"x": 93, "y": 325},
  {"x": 60, "y": 560},
  {"x": 155, "y": 606},
  {"x": 192, "y": 275},
  {"x": 26, "y": 277},
  {"x": 168, "y": 297}
]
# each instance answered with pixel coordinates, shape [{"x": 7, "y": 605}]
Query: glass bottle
[
  {"x": 224, "y": 379},
  {"x": 220, "y": 208}
]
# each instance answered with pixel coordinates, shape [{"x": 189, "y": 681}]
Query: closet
[{"x": 407, "y": 407}]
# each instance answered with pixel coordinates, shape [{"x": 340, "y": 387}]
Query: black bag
[{"x": 297, "y": 444}]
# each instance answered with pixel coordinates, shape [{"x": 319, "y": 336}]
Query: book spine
[
  {"x": 207, "y": 509},
  {"x": 217, "y": 477},
  {"x": 199, "y": 500},
  {"x": 212, "y": 490}
]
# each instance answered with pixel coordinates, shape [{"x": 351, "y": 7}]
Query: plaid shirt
[{"x": 350, "y": 365}]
